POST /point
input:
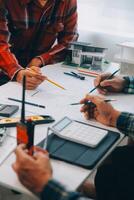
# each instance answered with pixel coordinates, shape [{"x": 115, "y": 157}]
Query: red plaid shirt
[{"x": 28, "y": 30}]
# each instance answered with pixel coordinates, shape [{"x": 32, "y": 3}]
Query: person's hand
[
  {"x": 116, "y": 84},
  {"x": 36, "y": 62},
  {"x": 33, "y": 77},
  {"x": 35, "y": 171},
  {"x": 101, "y": 111}
]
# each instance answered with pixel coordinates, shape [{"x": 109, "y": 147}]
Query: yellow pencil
[{"x": 56, "y": 84}]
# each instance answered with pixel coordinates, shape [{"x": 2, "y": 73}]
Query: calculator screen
[{"x": 62, "y": 124}]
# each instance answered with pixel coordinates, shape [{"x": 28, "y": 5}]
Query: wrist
[
  {"x": 18, "y": 75},
  {"x": 14, "y": 77},
  {"x": 35, "y": 62},
  {"x": 42, "y": 63},
  {"x": 114, "y": 117},
  {"x": 43, "y": 183}
]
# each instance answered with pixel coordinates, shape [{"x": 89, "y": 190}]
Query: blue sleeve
[
  {"x": 55, "y": 191},
  {"x": 129, "y": 86}
]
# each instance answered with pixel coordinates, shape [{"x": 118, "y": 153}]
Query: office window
[{"x": 108, "y": 16}]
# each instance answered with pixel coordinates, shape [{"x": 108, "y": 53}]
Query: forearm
[
  {"x": 55, "y": 191},
  {"x": 125, "y": 123},
  {"x": 54, "y": 55},
  {"x": 58, "y": 52},
  {"x": 8, "y": 61}
]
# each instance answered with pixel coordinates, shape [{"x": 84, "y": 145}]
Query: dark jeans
[
  {"x": 3, "y": 78},
  {"x": 115, "y": 181}
]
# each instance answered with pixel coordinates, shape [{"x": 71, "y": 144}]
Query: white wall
[{"x": 106, "y": 22}]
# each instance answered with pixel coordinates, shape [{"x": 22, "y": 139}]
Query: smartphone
[
  {"x": 37, "y": 119},
  {"x": 8, "y": 110}
]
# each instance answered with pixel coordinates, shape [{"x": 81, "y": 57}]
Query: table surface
[{"x": 57, "y": 102}]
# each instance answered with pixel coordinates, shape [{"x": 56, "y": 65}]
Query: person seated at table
[
  {"x": 28, "y": 32},
  {"x": 114, "y": 181}
]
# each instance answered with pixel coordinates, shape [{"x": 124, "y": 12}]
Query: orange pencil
[{"x": 56, "y": 84}]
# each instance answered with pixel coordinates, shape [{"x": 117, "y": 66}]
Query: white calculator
[{"x": 79, "y": 132}]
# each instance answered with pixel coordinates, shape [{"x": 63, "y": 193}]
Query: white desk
[{"x": 57, "y": 104}]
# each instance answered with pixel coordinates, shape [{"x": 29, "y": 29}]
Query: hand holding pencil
[
  {"x": 104, "y": 80},
  {"x": 43, "y": 77},
  {"x": 33, "y": 77},
  {"x": 109, "y": 83},
  {"x": 100, "y": 110}
]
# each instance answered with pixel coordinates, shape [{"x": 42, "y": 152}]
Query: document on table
[
  {"x": 7, "y": 148},
  {"x": 14, "y": 90}
]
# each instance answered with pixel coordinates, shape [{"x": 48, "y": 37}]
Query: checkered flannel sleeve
[
  {"x": 55, "y": 191},
  {"x": 129, "y": 87},
  {"x": 125, "y": 124}
]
